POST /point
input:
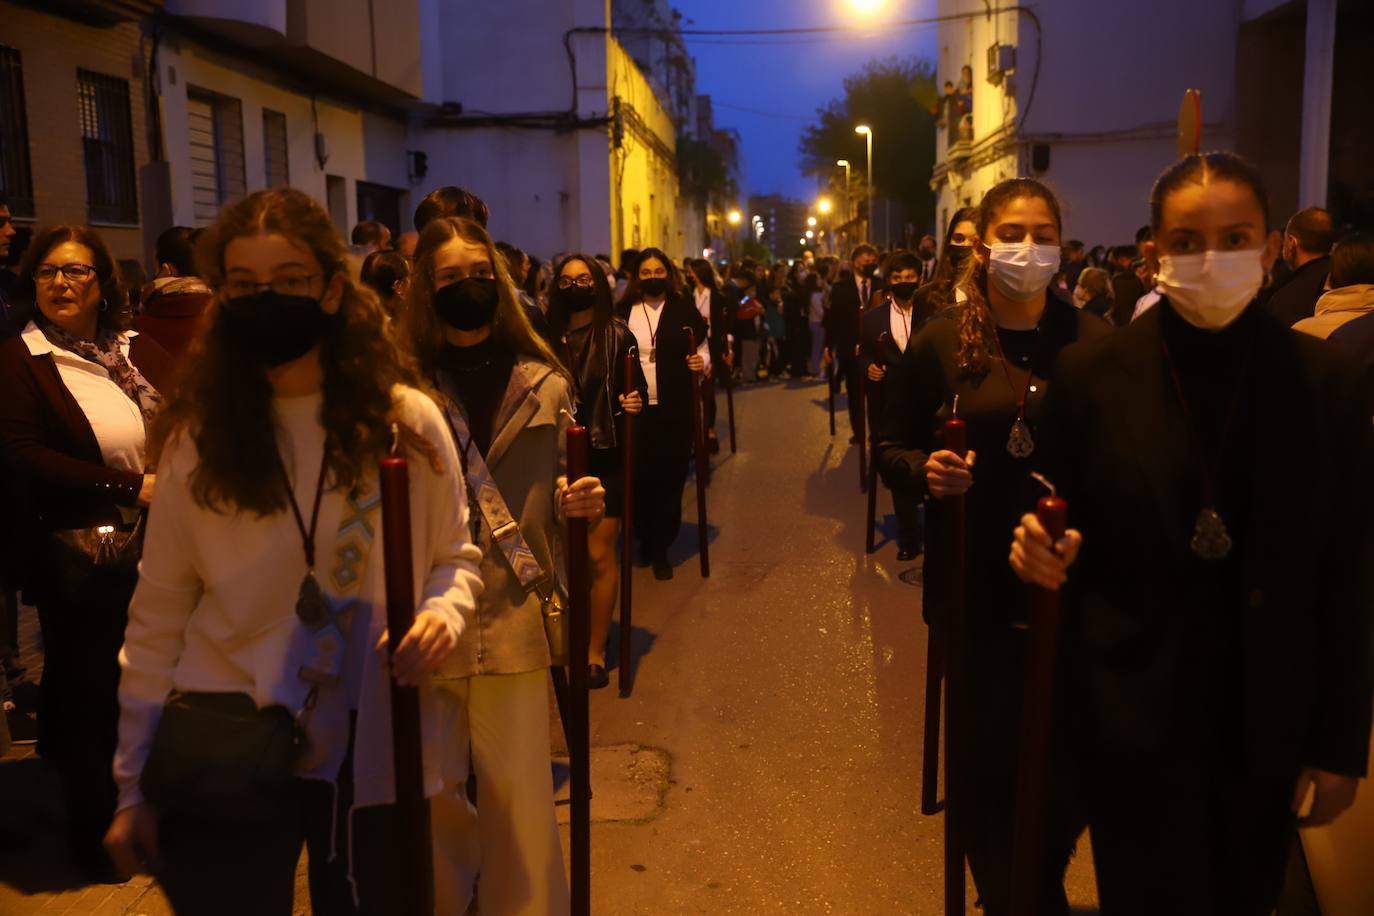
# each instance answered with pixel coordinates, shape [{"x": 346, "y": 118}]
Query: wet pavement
[{"x": 787, "y": 691}]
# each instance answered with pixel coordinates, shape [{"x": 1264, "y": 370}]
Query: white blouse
[{"x": 114, "y": 417}]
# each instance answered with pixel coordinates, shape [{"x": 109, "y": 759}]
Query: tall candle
[{"x": 579, "y": 635}]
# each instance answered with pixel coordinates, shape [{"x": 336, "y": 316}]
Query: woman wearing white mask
[
  {"x": 994, "y": 354},
  {"x": 1214, "y": 655}
]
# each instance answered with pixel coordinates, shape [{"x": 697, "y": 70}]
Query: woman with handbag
[
  {"x": 507, "y": 400},
  {"x": 254, "y": 701},
  {"x": 596, "y": 344},
  {"x": 80, "y": 391}
]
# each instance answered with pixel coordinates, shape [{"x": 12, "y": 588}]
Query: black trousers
[
  {"x": 907, "y": 507},
  {"x": 218, "y": 868},
  {"x": 78, "y": 711},
  {"x": 996, "y": 677},
  {"x": 663, "y": 451},
  {"x": 847, "y": 372}
]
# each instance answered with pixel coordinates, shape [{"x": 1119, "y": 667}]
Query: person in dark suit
[
  {"x": 1214, "y": 651},
  {"x": 1127, "y": 287},
  {"x": 884, "y": 333},
  {"x": 659, "y": 312},
  {"x": 1307, "y": 242},
  {"x": 850, "y": 295},
  {"x": 995, "y": 353},
  {"x": 718, "y": 313}
]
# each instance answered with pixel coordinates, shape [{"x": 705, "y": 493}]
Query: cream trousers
[{"x": 510, "y": 839}]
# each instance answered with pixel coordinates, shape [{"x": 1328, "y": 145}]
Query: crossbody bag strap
[{"x": 505, "y": 530}]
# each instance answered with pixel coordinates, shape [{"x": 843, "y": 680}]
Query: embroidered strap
[{"x": 505, "y": 531}]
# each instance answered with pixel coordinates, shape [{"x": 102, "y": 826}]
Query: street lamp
[
  {"x": 734, "y": 216},
  {"x": 810, "y": 234},
  {"x": 823, "y": 206},
  {"x": 811, "y": 221},
  {"x": 844, "y": 164},
  {"x": 868, "y": 137}
]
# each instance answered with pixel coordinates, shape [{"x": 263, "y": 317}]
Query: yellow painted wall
[{"x": 644, "y": 186}]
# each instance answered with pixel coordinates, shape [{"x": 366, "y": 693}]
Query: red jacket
[{"x": 171, "y": 312}]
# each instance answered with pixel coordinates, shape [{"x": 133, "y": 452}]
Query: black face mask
[
  {"x": 468, "y": 304},
  {"x": 868, "y": 270},
  {"x": 272, "y": 329},
  {"x": 903, "y": 291},
  {"x": 958, "y": 254},
  {"x": 654, "y": 287},
  {"x": 576, "y": 298},
  {"x": 927, "y": 254}
]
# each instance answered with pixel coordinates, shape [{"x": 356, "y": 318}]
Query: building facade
[{"x": 1086, "y": 97}]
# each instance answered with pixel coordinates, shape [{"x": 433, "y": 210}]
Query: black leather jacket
[{"x": 599, "y": 381}]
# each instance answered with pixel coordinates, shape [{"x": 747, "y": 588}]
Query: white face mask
[
  {"x": 1211, "y": 289},
  {"x": 1022, "y": 270}
]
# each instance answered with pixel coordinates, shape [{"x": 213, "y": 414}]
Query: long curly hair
[
  {"x": 421, "y": 328},
  {"x": 225, "y": 404},
  {"x": 976, "y": 324}
]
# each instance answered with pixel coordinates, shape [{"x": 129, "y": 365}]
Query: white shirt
[
  {"x": 644, "y": 321},
  {"x": 865, "y": 285},
  {"x": 817, "y": 307},
  {"x": 899, "y": 322},
  {"x": 1146, "y": 302},
  {"x": 704, "y": 305},
  {"x": 214, "y": 609},
  {"x": 114, "y": 417}
]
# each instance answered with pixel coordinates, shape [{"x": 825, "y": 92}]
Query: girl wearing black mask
[
  {"x": 595, "y": 344},
  {"x": 993, "y": 354},
  {"x": 247, "y": 598},
  {"x": 660, "y": 315},
  {"x": 508, "y": 400},
  {"x": 943, "y": 290}
]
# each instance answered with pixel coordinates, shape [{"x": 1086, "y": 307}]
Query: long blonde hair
[{"x": 422, "y": 329}]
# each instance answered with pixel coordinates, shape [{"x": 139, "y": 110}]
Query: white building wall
[
  {"x": 1107, "y": 106},
  {"x": 361, "y": 145}
]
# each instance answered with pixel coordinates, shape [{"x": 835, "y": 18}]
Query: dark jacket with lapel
[
  {"x": 674, "y": 378},
  {"x": 842, "y": 314},
  {"x": 600, "y": 381},
  {"x": 873, "y": 347},
  {"x": 1296, "y": 298},
  {"x": 1295, "y": 618}
]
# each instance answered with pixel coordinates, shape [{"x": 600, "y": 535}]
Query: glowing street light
[
  {"x": 810, "y": 234},
  {"x": 823, "y": 206},
  {"x": 868, "y": 137},
  {"x": 811, "y": 221},
  {"x": 866, "y": 7},
  {"x": 734, "y": 216}
]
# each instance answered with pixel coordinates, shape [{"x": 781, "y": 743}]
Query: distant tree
[
  {"x": 895, "y": 97},
  {"x": 702, "y": 172}
]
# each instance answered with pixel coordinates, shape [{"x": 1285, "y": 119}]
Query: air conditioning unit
[{"x": 1001, "y": 62}]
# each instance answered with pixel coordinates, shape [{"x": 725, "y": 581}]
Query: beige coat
[
  {"x": 505, "y": 633},
  {"x": 1336, "y": 307}
]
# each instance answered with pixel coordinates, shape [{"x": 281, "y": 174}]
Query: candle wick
[
  {"x": 955, "y": 410},
  {"x": 395, "y": 438},
  {"x": 1045, "y": 483}
]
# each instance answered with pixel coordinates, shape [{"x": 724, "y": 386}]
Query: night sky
[{"x": 788, "y": 77}]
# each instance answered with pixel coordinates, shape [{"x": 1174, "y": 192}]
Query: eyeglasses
[
  {"x": 654, "y": 274},
  {"x": 584, "y": 282},
  {"x": 292, "y": 285},
  {"x": 75, "y": 273}
]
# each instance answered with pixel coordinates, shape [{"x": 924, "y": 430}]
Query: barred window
[
  {"x": 274, "y": 148},
  {"x": 107, "y": 138},
  {"x": 16, "y": 180}
]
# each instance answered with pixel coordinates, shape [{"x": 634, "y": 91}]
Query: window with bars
[
  {"x": 274, "y": 148},
  {"x": 217, "y": 166},
  {"x": 16, "y": 180},
  {"x": 107, "y": 138}
]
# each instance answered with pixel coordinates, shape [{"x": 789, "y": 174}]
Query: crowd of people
[{"x": 193, "y": 469}]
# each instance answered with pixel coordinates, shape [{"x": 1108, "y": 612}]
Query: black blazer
[
  {"x": 674, "y": 378},
  {"x": 1289, "y": 613},
  {"x": 873, "y": 324},
  {"x": 1296, "y": 298},
  {"x": 55, "y": 477},
  {"x": 599, "y": 380},
  {"x": 842, "y": 315}
]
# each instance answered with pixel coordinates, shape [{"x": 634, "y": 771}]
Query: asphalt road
[{"x": 786, "y": 691}]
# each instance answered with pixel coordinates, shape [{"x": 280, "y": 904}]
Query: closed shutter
[{"x": 205, "y": 195}]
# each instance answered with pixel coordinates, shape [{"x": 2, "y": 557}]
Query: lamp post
[
  {"x": 733, "y": 218},
  {"x": 868, "y": 138}
]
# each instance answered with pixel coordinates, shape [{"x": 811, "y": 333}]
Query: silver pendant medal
[
  {"x": 1020, "y": 444},
  {"x": 1211, "y": 540}
]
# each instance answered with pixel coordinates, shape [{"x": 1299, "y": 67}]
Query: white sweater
[{"x": 215, "y": 605}]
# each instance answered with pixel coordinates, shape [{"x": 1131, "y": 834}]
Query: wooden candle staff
[
  {"x": 856, "y": 394},
  {"x": 1033, "y": 773},
  {"x": 730, "y": 405},
  {"x": 413, "y": 849},
  {"x": 627, "y": 538},
  {"x": 955, "y": 440},
  {"x": 830, "y": 386},
  {"x": 579, "y": 732},
  {"x": 703, "y": 462}
]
